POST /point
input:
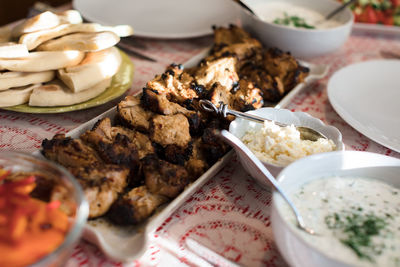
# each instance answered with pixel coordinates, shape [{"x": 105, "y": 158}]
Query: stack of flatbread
[{"x": 54, "y": 59}]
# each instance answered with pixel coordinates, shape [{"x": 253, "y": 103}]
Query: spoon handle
[
  {"x": 334, "y": 12},
  {"x": 256, "y": 165}
]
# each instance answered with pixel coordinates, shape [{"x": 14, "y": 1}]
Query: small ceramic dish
[
  {"x": 239, "y": 127},
  {"x": 291, "y": 242},
  {"x": 300, "y": 42}
]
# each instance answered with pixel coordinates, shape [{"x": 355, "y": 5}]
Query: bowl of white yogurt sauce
[
  {"x": 351, "y": 199},
  {"x": 298, "y": 26},
  {"x": 277, "y": 146}
]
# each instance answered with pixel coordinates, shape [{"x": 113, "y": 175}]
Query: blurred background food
[{"x": 385, "y": 12}]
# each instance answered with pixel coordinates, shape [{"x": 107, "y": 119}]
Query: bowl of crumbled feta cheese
[{"x": 278, "y": 146}]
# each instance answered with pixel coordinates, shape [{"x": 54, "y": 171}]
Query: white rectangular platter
[{"x": 129, "y": 243}]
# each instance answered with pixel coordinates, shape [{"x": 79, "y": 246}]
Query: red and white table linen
[{"x": 229, "y": 215}]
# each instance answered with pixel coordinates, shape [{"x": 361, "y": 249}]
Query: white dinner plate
[
  {"x": 367, "y": 96},
  {"x": 376, "y": 28},
  {"x": 161, "y": 18}
]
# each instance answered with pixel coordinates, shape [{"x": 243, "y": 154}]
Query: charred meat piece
[
  {"x": 176, "y": 154},
  {"x": 212, "y": 147},
  {"x": 175, "y": 83},
  {"x": 196, "y": 165},
  {"x": 133, "y": 114},
  {"x": 272, "y": 87},
  {"x": 101, "y": 183},
  {"x": 246, "y": 97},
  {"x": 164, "y": 178},
  {"x": 112, "y": 146},
  {"x": 69, "y": 152},
  {"x": 284, "y": 66},
  {"x": 135, "y": 206},
  {"x": 221, "y": 70},
  {"x": 103, "y": 133},
  {"x": 160, "y": 104},
  {"x": 232, "y": 35},
  {"x": 170, "y": 130}
]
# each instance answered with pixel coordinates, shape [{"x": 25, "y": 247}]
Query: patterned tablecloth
[{"x": 229, "y": 215}]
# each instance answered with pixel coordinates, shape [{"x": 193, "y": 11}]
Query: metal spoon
[
  {"x": 305, "y": 132},
  {"x": 256, "y": 164},
  {"x": 337, "y": 10}
]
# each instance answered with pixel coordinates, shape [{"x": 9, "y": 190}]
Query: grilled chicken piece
[
  {"x": 196, "y": 165},
  {"x": 101, "y": 183},
  {"x": 132, "y": 113},
  {"x": 221, "y": 70},
  {"x": 285, "y": 67},
  {"x": 160, "y": 104},
  {"x": 164, "y": 178},
  {"x": 175, "y": 84},
  {"x": 103, "y": 133},
  {"x": 212, "y": 147},
  {"x": 69, "y": 152},
  {"x": 234, "y": 41},
  {"x": 246, "y": 97},
  {"x": 170, "y": 130},
  {"x": 135, "y": 206}
]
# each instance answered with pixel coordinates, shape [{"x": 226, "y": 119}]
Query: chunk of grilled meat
[
  {"x": 212, "y": 147},
  {"x": 284, "y": 66},
  {"x": 101, "y": 183},
  {"x": 272, "y": 87},
  {"x": 103, "y": 133},
  {"x": 135, "y": 206},
  {"x": 69, "y": 152},
  {"x": 243, "y": 97},
  {"x": 197, "y": 164},
  {"x": 164, "y": 178},
  {"x": 159, "y": 103},
  {"x": 133, "y": 114},
  {"x": 170, "y": 130},
  {"x": 175, "y": 83},
  {"x": 234, "y": 41},
  {"x": 222, "y": 70}
]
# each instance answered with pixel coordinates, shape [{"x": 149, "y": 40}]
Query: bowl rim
[
  {"x": 287, "y": 227},
  {"x": 339, "y": 147},
  {"x": 82, "y": 210},
  {"x": 346, "y": 24}
]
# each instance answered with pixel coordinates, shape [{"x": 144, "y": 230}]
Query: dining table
[{"x": 227, "y": 221}]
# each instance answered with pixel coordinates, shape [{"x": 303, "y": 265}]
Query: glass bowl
[{"x": 72, "y": 194}]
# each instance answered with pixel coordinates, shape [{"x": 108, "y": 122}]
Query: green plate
[{"x": 120, "y": 83}]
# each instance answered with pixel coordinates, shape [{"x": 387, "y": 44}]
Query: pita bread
[
  {"x": 42, "y": 61},
  {"x": 58, "y": 94},
  {"x": 13, "y": 50},
  {"x": 16, "y": 96},
  {"x": 46, "y": 20},
  {"x": 34, "y": 39},
  {"x": 17, "y": 79},
  {"x": 95, "y": 67},
  {"x": 88, "y": 42}
]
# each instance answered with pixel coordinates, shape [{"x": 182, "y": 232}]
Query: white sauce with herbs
[
  {"x": 273, "y": 11},
  {"x": 357, "y": 219}
]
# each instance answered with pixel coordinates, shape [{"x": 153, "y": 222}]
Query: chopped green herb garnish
[
  {"x": 295, "y": 21},
  {"x": 356, "y": 231}
]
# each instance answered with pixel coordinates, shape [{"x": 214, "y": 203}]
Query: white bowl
[
  {"x": 301, "y": 43},
  {"x": 239, "y": 126},
  {"x": 295, "y": 250}
]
